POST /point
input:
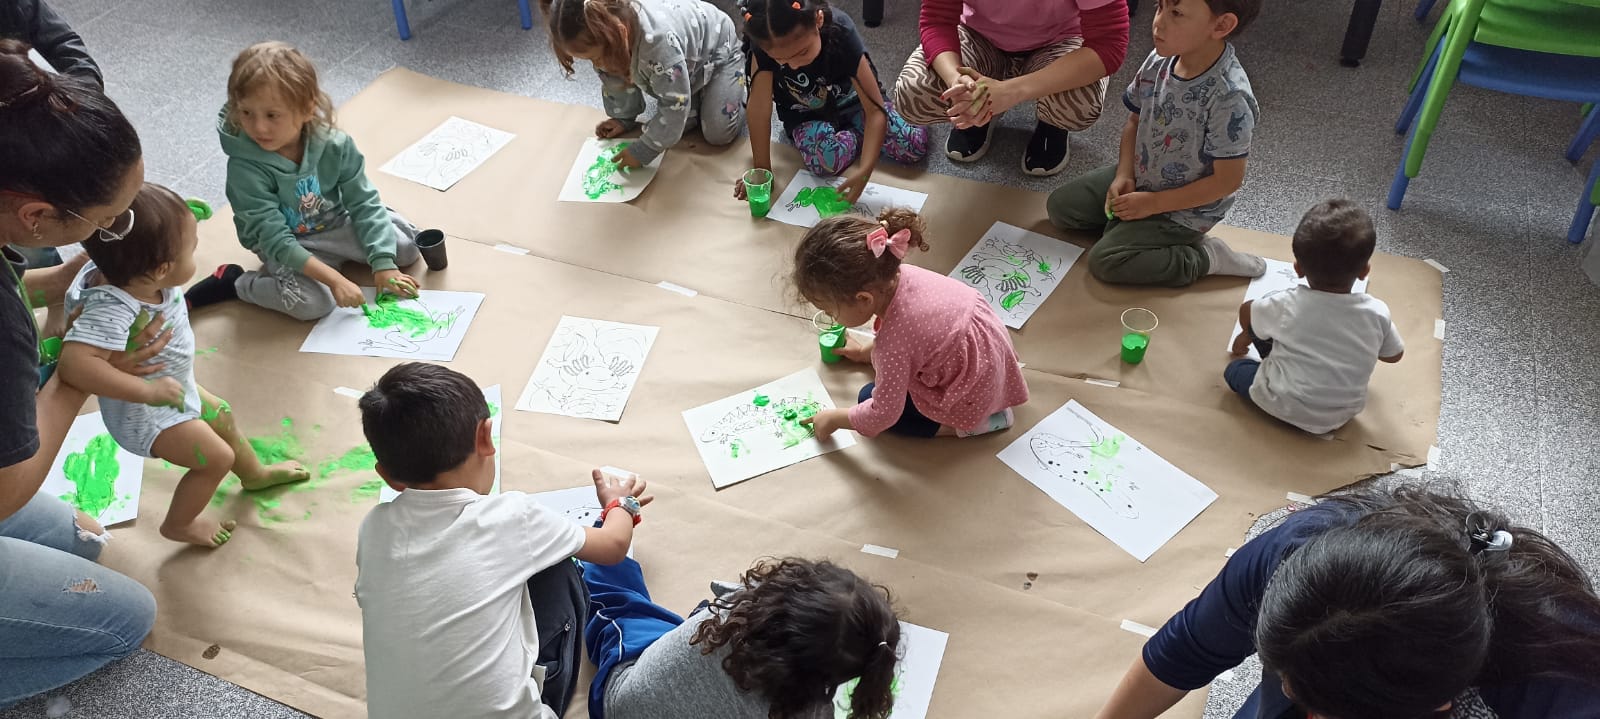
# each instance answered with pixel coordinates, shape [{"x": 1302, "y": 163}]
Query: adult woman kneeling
[{"x": 980, "y": 58}]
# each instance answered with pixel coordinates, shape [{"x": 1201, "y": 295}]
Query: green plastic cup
[
  {"x": 49, "y": 350},
  {"x": 1137, "y": 324},
  {"x": 758, "y": 191},
  {"x": 831, "y": 340}
]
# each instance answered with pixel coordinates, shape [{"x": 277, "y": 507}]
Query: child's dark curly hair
[
  {"x": 799, "y": 629},
  {"x": 833, "y": 262},
  {"x": 155, "y": 239}
]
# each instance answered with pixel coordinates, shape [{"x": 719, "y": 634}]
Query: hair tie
[
  {"x": 20, "y": 95},
  {"x": 1482, "y": 539},
  {"x": 879, "y": 240},
  {"x": 796, "y": 5},
  {"x": 747, "y": 17}
]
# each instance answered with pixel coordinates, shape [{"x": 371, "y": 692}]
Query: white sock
[
  {"x": 996, "y": 422},
  {"x": 1227, "y": 261}
]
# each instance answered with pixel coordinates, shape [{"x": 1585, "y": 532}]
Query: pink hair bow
[{"x": 879, "y": 240}]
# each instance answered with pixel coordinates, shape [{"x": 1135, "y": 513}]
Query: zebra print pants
[{"x": 916, "y": 95}]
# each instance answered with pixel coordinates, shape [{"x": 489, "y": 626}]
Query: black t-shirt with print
[
  {"x": 19, "y": 368},
  {"x": 822, "y": 90}
]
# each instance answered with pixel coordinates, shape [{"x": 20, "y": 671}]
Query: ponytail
[
  {"x": 64, "y": 141},
  {"x": 873, "y": 696}
]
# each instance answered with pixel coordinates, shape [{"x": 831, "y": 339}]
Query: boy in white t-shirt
[
  {"x": 445, "y": 570},
  {"x": 1318, "y": 344}
]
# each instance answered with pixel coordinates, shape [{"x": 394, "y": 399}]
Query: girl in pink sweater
[{"x": 943, "y": 359}]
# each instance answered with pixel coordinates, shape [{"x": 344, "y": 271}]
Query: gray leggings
[{"x": 280, "y": 288}]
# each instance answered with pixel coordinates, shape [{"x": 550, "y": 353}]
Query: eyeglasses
[{"x": 116, "y": 231}]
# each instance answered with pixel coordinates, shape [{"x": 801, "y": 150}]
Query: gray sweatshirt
[
  {"x": 673, "y": 680},
  {"x": 681, "y": 44}
]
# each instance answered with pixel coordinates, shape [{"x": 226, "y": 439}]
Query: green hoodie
[{"x": 275, "y": 202}]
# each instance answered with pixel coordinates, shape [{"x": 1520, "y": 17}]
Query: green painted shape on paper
[
  {"x": 356, "y": 459},
  {"x": 93, "y": 473},
  {"x": 1044, "y": 267},
  {"x": 597, "y": 177},
  {"x": 386, "y": 313},
  {"x": 825, "y": 200},
  {"x": 367, "y": 491},
  {"x": 1013, "y": 299},
  {"x": 1103, "y": 462}
]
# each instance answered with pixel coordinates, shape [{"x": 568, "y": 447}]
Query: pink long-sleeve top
[
  {"x": 940, "y": 343},
  {"x": 1023, "y": 25}
]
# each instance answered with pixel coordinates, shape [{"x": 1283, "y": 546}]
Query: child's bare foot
[
  {"x": 274, "y": 475},
  {"x": 202, "y": 532}
]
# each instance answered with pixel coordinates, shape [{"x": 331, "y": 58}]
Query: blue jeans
[
  {"x": 623, "y": 622},
  {"x": 912, "y": 422},
  {"x": 61, "y": 615},
  {"x": 1240, "y": 374}
]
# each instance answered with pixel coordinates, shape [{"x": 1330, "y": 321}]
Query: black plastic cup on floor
[{"x": 431, "y": 243}]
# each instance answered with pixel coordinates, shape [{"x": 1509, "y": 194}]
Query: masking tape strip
[
  {"x": 1301, "y": 498},
  {"x": 887, "y": 552},
  {"x": 680, "y": 289},
  {"x": 1433, "y": 457},
  {"x": 1229, "y": 551},
  {"x": 617, "y": 473},
  {"x": 1435, "y": 265},
  {"x": 511, "y": 249},
  {"x": 347, "y": 392},
  {"x": 1438, "y": 329},
  {"x": 1128, "y": 625},
  {"x": 1102, "y": 382}
]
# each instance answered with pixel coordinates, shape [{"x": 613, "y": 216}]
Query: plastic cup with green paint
[
  {"x": 831, "y": 341},
  {"x": 758, "y": 191},
  {"x": 1137, "y": 324}
]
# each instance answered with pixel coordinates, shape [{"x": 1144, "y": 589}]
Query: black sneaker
[
  {"x": 968, "y": 145},
  {"x": 216, "y": 288},
  {"x": 1047, "y": 152}
]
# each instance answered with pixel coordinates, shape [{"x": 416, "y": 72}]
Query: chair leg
[
  {"x": 400, "y": 21},
  {"x": 872, "y": 12},
  {"x": 527, "y": 14},
  {"x": 1423, "y": 8},
  {"x": 1397, "y": 187},
  {"x": 1363, "y": 18},
  {"x": 1588, "y": 132},
  {"x": 1419, "y": 92},
  {"x": 1585, "y": 213}
]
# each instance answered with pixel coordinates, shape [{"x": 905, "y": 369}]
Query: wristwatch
[{"x": 628, "y": 504}]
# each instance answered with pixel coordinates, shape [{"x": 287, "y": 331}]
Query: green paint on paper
[
  {"x": 1017, "y": 276},
  {"x": 597, "y": 178},
  {"x": 761, "y": 400},
  {"x": 734, "y": 448},
  {"x": 1103, "y": 464},
  {"x": 93, "y": 473},
  {"x": 367, "y": 491},
  {"x": 266, "y": 506},
  {"x": 386, "y": 313},
  {"x": 1044, "y": 267},
  {"x": 206, "y": 351},
  {"x": 494, "y": 410},
  {"x": 357, "y": 459},
  {"x": 1013, "y": 299},
  {"x": 1015, "y": 260},
  {"x": 825, "y": 200},
  {"x": 789, "y": 419},
  {"x": 221, "y": 496},
  {"x": 281, "y": 447}
]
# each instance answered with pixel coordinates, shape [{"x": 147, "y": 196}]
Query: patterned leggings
[{"x": 827, "y": 150}]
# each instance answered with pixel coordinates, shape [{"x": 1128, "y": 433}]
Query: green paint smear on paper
[
  {"x": 789, "y": 422},
  {"x": 386, "y": 313},
  {"x": 356, "y": 459},
  {"x": 597, "y": 178},
  {"x": 93, "y": 473},
  {"x": 366, "y": 491},
  {"x": 1017, "y": 276},
  {"x": 825, "y": 200},
  {"x": 734, "y": 448},
  {"x": 1015, "y": 260},
  {"x": 266, "y": 506},
  {"x": 221, "y": 496},
  {"x": 761, "y": 400},
  {"x": 1044, "y": 267},
  {"x": 1013, "y": 299},
  {"x": 206, "y": 351},
  {"x": 280, "y": 447},
  {"x": 1103, "y": 462},
  {"x": 494, "y": 410}
]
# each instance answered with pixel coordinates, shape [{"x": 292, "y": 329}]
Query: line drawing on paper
[
  {"x": 422, "y": 325},
  {"x": 448, "y": 153},
  {"x": 589, "y": 368},
  {"x": 1005, "y": 273},
  {"x": 1089, "y": 461},
  {"x": 779, "y": 420}
]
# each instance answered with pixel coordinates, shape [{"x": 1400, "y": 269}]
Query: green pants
[{"x": 1151, "y": 251}]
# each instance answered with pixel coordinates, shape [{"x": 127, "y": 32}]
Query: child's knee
[
  {"x": 1068, "y": 210},
  {"x": 830, "y": 153},
  {"x": 314, "y": 304},
  {"x": 865, "y": 393},
  {"x": 406, "y": 252},
  {"x": 1106, "y": 262},
  {"x": 908, "y": 145}
]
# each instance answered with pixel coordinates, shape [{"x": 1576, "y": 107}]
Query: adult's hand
[{"x": 143, "y": 346}]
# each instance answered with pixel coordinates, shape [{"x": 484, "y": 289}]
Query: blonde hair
[
  {"x": 833, "y": 261},
  {"x": 281, "y": 68},
  {"x": 611, "y": 25}
]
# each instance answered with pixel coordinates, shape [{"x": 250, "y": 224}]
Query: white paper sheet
[
  {"x": 445, "y": 155},
  {"x": 1280, "y": 276},
  {"x": 430, "y": 327},
  {"x": 617, "y": 187},
  {"x": 492, "y": 396},
  {"x": 874, "y": 199},
  {"x": 739, "y": 439},
  {"x": 588, "y": 369},
  {"x": 921, "y": 652},
  {"x": 103, "y": 479},
  {"x": 1016, "y": 270},
  {"x": 1112, "y": 482},
  {"x": 578, "y": 504}
]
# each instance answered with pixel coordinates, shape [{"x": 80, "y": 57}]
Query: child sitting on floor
[
  {"x": 684, "y": 53},
  {"x": 300, "y": 195},
  {"x": 128, "y": 281},
  {"x": 778, "y": 644},
  {"x": 1318, "y": 344},
  {"x": 807, "y": 58},
  {"x": 1182, "y": 158},
  {"x": 943, "y": 359},
  {"x": 451, "y": 582}
]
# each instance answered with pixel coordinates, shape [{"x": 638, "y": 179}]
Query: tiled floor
[{"x": 1520, "y": 424}]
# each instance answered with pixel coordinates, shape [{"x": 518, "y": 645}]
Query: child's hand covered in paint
[
  {"x": 610, "y": 128},
  {"x": 1120, "y": 186},
  {"x": 855, "y": 350},
  {"x": 1135, "y": 205},
  {"x": 855, "y": 181},
  {"x": 607, "y": 488},
  {"x": 163, "y": 392},
  {"x": 347, "y": 294},
  {"x": 626, "y": 160},
  {"x": 396, "y": 282},
  {"x": 828, "y": 421}
]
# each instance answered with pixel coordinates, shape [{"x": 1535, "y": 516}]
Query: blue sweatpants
[{"x": 623, "y": 621}]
